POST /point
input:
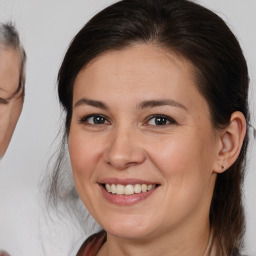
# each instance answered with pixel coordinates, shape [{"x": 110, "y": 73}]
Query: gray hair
[{"x": 9, "y": 38}]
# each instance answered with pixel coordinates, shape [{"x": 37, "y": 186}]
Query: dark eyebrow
[
  {"x": 142, "y": 105},
  {"x": 94, "y": 103},
  {"x": 164, "y": 102}
]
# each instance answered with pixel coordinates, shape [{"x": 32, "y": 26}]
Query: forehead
[
  {"x": 141, "y": 67},
  {"x": 10, "y": 62},
  {"x": 144, "y": 54},
  {"x": 143, "y": 60}
]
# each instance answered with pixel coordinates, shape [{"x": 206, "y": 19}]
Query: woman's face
[
  {"x": 11, "y": 99},
  {"x": 139, "y": 123}
]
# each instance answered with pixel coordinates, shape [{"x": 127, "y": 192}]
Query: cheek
[
  {"x": 16, "y": 111},
  {"x": 173, "y": 154},
  {"x": 84, "y": 154},
  {"x": 82, "y": 158},
  {"x": 184, "y": 162},
  {"x": 186, "y": 177},
  {"x": 9, "y": 116}
]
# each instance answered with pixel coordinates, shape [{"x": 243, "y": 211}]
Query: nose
[{"x": 124, "y": 149}]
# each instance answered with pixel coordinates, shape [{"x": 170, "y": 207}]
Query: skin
[
  {"x": 11, "y": 99},
  {"x": 182, "y": 156}
]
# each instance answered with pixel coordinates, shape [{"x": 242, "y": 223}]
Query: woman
[
  {"x": 12, "y": 80},
  {"x": 155, "y": 97}
]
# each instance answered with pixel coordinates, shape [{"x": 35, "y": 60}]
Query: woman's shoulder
[{"x": 92, "y": 244}]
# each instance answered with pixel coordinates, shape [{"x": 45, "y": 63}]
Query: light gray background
[{"x": 46, "y": 28}]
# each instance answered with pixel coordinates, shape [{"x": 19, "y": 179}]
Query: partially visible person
[
  {"x": 12, "y": 80},
  {"x": 2, "y": 253}
]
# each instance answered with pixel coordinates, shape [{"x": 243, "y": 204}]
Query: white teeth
[
  {"x": 113, "y": 189},
  {"x": 144, "y": 188},
  {"x": 128, "y": 189},
  {"x": 120, "y": 189},
  {"x": 149, "y": 187},
  {"x": 137, "y": 188},
  {"x": 108, "y": 188}
]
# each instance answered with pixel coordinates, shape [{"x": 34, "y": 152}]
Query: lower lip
[{"x": 126, "y": 199}]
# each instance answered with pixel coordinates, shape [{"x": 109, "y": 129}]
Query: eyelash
[
  {"x": 167, "y": 120},
  {"x": 85, "y": 119},
  {"x": 161, "y": 118},
  {"x": 3, "y": 101}
]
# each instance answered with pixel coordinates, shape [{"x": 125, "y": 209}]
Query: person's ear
[{"x": 230, "y": 142}]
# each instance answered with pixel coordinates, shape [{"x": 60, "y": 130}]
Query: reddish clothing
[
  {"x": 93, "y": 244},
  {"x": 2, "y": 253}
]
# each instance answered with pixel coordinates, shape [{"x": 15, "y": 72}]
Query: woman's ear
[{"x": 230, "y": 142}]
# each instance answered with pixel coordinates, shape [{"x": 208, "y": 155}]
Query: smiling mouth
[{"x": 119, "y": 189}]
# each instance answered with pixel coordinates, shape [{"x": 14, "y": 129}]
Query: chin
[{"x": 129, "y": 229}]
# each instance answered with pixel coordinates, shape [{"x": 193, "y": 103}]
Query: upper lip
[{"x": 127, "y": 181}]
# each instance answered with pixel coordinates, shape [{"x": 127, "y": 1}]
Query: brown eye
[
  {"x": 98, "y": 120},
  {"x": 160, "y": 120},
  {"x": 94, "y": 120}
]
